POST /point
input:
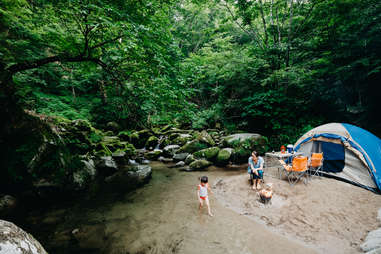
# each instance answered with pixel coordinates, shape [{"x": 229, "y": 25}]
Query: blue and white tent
[{"x": 350, "y": 153}]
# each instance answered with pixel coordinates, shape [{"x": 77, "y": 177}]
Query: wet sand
[{"x": 163, "y": 217}]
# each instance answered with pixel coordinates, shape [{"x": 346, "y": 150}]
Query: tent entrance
[{"x": 334, "y": 155}]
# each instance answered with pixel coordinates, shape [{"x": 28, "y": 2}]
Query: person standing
[
  {"x": 202, "y": 194},
  {"x": 255, "y": 169}
]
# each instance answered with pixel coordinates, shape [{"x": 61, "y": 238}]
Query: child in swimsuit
[{"x": 202, "y": 193}]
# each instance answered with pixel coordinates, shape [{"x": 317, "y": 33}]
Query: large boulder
[
  {"x": 14, "y": 240},
  {"x": 189, "y": 159},
  {"x": 106, "y": 165},
  {"x": 151, "y": 142},
  {"x": 84, "y": 174},
  {"x": 181, "y": 139},
  {"x": 207, "y": 153},
  {"x": 248, "y": 140},
  {"x": 180, "y": 156},
  {"x": 129, "y": 177},
  {"x": 199, "y": 164},
  {"x": 170, "y": 150},
  {"x": 244, "y": 143},
  {"x": 192, "y": 146},
  {"x": 153, "y": 155},
  {"x": 224, "y": 155},
  {"x": 205, "y": 138}
]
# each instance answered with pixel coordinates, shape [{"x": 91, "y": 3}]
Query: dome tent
[{"x": 350, "y": 153}]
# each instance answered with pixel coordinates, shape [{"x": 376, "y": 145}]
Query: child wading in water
[{"x": 202, "y": 193}]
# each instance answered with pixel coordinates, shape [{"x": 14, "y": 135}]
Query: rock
[
  {"x": 113, "y": 126},
  {"x": 205, "y": 138},
  {"x": 120, "y": 157},
  {"x": 81, "y": 125},
  {"x": 153, "y": 155},
  {"x": 180, "y": 164},
  {"x": 75, "y": 231},
  {"x": 224, "y": 156},
  {"x": 372, "y": 241},
  {"x": 124, "y": 135},
  {"x": 129, "y": 177},
  {"x": 249, "y": 141},
  {"x": 165, "y": 128},
  {"x": 134, "y": 139},
  {"x": 151, "y": 142},
  {"x": 106, "y": 166},
  {"x": 200, "y": 164},
  {"x": 180, "y": 156},
  {"x": 189, "y": 159},
  {"x": 207, "y": 153},
  {"x": 181, "y": 139},
  {"x": 85, "y": 174},
  {"x": 7, "y": 205},
  {"x": 170, "y": 150},
  {"x": 165, "y": 160},
  {"x": 14, "y": 240},
  {"x": 145, "y": 162},
  {"x": 241, "y": 154},
  {"x": 192, "y": 146}
]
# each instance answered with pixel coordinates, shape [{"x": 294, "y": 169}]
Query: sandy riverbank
[{"x": 326, "y": 214}]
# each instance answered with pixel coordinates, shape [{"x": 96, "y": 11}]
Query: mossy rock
[
  {"x": 182, "y": 139},
  {"x": 124, "y": 135},
  {"x": 189, "y": 159},
  {"x": 205, "y": 138},
  {"x": 192, "y": 147},
  {"x": 224, "y": 155},
  {"x": 165, "y": 128},
  {"x": 250, "y": 141},
  {"x": 200, "y": 164},
  {"x": 151, "y": 142},
  {"x": 153, "y": 155},
  {"x": 208, "y": 153},
  {"x": 173, "y": 136},
  {"x": 113, "y": 126},
  {"x": 241, "y": 155}
]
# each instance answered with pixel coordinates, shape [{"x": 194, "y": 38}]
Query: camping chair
[
  {"x": 297, "y": 170},
  {"x": 315, "y": 164}
]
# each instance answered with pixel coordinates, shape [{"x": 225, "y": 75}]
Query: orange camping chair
[
  {"x": 316, "y": 164},
  {"x": 297, "y": 170}
]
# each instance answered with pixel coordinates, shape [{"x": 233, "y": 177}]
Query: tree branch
[{"x": 59, "y": 58}]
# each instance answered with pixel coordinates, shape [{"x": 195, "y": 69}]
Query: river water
[{"x": 160, "y": 217}]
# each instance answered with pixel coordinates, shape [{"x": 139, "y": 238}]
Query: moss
[
  {"x": 200, "y": 164},
  {"x": 152, "y": 142},
  {"x": 224, "y": 156},
  {"x": 208, "y": 153},
  {"x": 192, "y": 147}
]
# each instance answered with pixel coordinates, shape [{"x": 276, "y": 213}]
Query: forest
[
  {"x": 274, "y": 67},
  {"x": 94, "y": 93}
]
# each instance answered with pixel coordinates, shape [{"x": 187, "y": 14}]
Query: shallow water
[{"x": 160, "y": 217}]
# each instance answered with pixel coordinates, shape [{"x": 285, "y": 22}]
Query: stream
[{"x": 160, "y": 217}]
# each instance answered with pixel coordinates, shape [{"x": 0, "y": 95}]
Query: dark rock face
[
  {"x": 14, "y": 240},
  {"x": 7, "y": 205},
  {"x": 129, "y": 177},
  {"x": 170, "y": 150},
  {"x": 180, "y": 156}
]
